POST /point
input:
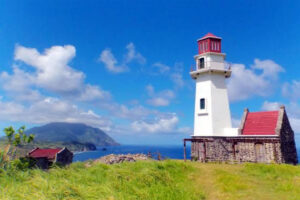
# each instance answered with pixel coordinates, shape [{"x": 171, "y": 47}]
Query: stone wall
[
  {"x": 64, "y": 157},
  {"x": 278, "y": 148},
  {"x": 237, "y": 149},
  {"x": 288, "y": 146}
]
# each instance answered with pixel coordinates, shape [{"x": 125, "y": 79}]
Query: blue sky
[{"x": 123, "y": 66}]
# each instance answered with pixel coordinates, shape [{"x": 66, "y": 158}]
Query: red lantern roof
[
  {"x": 209, "y": 35},
  {"x": 44, "y": 153},
  {"x": 209, "y": 43},
  {"x": 260, "y": 123}
]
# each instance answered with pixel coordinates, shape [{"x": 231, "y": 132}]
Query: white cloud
[
  {"x": 295, "y": 123},
  {"x": 291, "y": 90},
  {"x": 158, "y": 101},
  {"x": 18, "y": 85},
  {"x": 92, "y": 93},
  {"x": 246, "y": 83},
  {"x": 162, "y": 98},
  {"x": 52, "y": 70},
  {"x": 51, "y": 73},
  {"x": 269, "y": 68},
  {"x": 111, "y": 63},
  {"x": 160, "y": 125},
  {"x": 134, "y": 112},
  {"x": 269, "y": 106},
  {"x": 174, "y": 73},
  {"x": 133, "y": 55},
  {"x": 162, "y": 68},
  {"x": 50, "y": 110},
  {"x": 150, "y": 90},
  {"x": 53, "y": 88},
  {"x": 177, "y": 79}
]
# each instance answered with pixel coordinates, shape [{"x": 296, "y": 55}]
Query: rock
[{"x": 113, "y": 159}]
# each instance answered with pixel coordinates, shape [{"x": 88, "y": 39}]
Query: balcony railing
[{"x": 212, "y": 65}]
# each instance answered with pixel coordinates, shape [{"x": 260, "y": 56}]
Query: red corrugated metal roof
[
  {"x": 260, "y": 123},
  {"x": 42, "y": 153},
  {"x": 209, "y": 35}
]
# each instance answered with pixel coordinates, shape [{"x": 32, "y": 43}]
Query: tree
[{"x": 14, "y": 140}]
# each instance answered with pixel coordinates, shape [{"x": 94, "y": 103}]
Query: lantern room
[{"x": 209, "y": 43}]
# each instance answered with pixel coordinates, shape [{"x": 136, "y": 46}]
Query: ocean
[{"x": 172, "y": 152}]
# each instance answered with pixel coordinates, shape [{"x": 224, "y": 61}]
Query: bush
[{"x": 23, "y": 163}]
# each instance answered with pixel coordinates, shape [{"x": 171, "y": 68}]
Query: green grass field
[{"x": 164, "y": 180}]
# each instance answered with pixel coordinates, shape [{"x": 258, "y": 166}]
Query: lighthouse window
[
  {"x": 201, "y": 63},
  {"x": 202, "y": 103}
]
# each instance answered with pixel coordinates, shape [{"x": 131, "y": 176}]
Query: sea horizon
[{"x": 172, "y": 151}]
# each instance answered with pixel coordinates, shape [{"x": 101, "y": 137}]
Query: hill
[
  {"x": 76, "y": 135},
  {"x": 166, "y": 180}
]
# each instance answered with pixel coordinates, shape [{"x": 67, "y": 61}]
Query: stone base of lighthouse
[
  {"x": 241, "y": 149},
  {"x": 277, "y": 145}
]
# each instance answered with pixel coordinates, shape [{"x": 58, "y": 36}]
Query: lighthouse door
[
  {"x": 260, "y": 153},
  {"x": 202, "y": 152}
]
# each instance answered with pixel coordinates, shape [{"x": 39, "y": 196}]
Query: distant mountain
[{"x": 71, "y": 133}]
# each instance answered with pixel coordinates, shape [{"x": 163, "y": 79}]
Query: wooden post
[{"x": 184, "y": 150}]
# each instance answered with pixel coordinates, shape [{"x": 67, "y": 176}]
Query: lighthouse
[
  {"x": 263, "y": 136},
  {"x": 212, "y": 113}
]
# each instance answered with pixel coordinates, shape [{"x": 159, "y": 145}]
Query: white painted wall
[
  {"x": 212, "y": 60},
  {"x": 215, "y": 120}
]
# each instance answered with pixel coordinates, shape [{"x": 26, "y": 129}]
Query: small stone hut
[
  {"x": 46, "y": 157},
  {"x": 264, "y": 137}
]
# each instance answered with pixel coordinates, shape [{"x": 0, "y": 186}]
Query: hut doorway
[{"x": 260, "y": 153}]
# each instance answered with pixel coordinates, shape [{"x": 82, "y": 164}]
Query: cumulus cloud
[
  {"x": 55, "y": 90},
  {"x": 269, "y": 68},
  {"x": 18, "y": 85},
  {"x": 51, "y": 109},
  {"x": 173, "y": 73},
  {"x": 291, "y": 90},
  {"x": 52, "y": 73},
  {"x": 269, "y": 106},
  {"x": 133, "y": 55},
  {"x": 160, "y": 125},
  {"x": 52, "y": 70},
  {"x": 177, "y": 79},
  {"x": 49, "y": 73},
  {"x": 162, "y": 98},
  {"x": 259, "y": 80},
  {"x": 161, "y": 68},
  {"x": 111, "y": 63}
]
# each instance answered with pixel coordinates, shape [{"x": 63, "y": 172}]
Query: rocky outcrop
[{"x": 113, "y": 159}]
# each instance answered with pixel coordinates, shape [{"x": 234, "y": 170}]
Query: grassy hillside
[{"x": 155, "y": 180}]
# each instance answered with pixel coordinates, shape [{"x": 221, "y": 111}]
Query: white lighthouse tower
[{"x": 212, "y": 113}]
